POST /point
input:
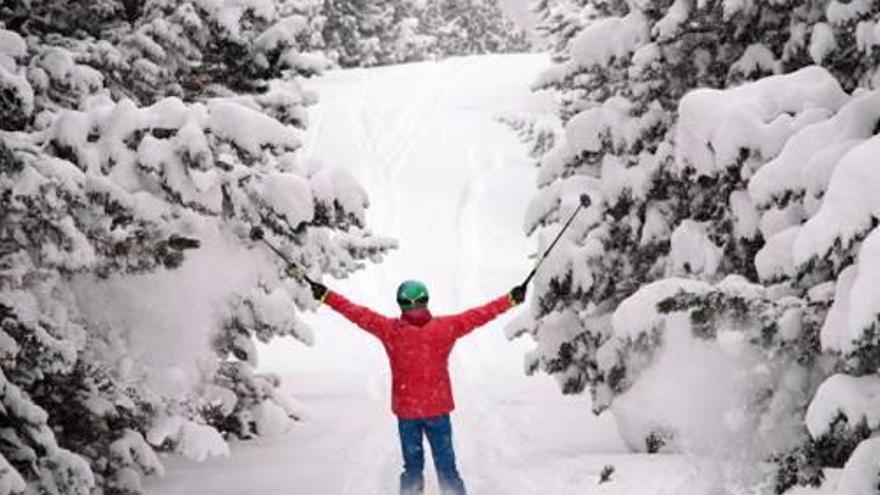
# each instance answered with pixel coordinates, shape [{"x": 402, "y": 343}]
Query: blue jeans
[{"x": 439, "y": 433}]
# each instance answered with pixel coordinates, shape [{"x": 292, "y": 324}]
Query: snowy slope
[{"x": 451, "y": 184}]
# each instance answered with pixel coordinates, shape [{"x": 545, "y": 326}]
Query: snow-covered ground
[{"x": 452, "y": 185}]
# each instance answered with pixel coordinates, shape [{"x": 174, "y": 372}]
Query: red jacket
[{"x": 418, "y": 349}]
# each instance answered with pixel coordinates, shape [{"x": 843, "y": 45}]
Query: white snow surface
[
  {"x": 195, "y": 441},
  {"x": 715, "y": 125},
  {"x": 808, "y": 158},
  {"x": 249, "y": 129},
  {"x": 856, "y": 398},
  {"x": 608, "y": 38},
  {"x": 692, "y": 252},
  {"x": 774, "y": 260},
  {"x": 694, "y": 388},
  {"x": 848, "y": 207},
  {"x": 836, "y": 325},
  {"x": 450, "y": 183},
  {"x": 860, "y": 474},
  {"x": 638, "y": 313},
  {"x": 822, "y": 42},
  {"x": 696, "y": 392},
  {"x": 10, "y": 481},
  {"x": 864, "y": 298}
]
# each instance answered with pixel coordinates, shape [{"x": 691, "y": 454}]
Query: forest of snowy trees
[
  {"x": 720, "y": 295},
  {"x": 360, "y": 33},
  {"x": 139, "y": 138},
  {"x": 140, "y": 141}
]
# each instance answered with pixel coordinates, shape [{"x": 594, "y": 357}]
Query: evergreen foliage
[
  {"x": 708, "y": 212},
  {"x": 368, "y": 33},
  {"x": 133, "y": 133}
]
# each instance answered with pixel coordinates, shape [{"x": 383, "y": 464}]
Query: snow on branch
[{"x": 716, "y": 125}]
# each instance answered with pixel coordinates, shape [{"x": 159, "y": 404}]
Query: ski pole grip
[{"x": 586, "y": 201}]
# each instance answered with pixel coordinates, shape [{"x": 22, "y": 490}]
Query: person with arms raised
[{"x": 418, "y": 345}]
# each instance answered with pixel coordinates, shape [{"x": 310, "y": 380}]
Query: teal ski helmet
[{"x": 412, "y": 294}]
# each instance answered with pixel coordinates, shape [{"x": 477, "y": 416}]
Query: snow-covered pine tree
[
  {"x": 57, "y": 223},
  {"x": 619, "y": 89},
  {"x": 105, "y": 176},
  {"x": 368, "y": 33},
  {"x": 559, "y": 21},
  {"x": 537, "y": 132},
  {"x": 669, "y": 179},
  {"x": 361, "y": 33},
  {"x": 468, "y": 27},
  {"x": 820, "y": 223}
]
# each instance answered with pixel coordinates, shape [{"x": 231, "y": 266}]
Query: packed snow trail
[{"x": 451, "y": 184}]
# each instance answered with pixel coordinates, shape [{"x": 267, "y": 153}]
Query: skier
[{"x": 418, "y": 346}]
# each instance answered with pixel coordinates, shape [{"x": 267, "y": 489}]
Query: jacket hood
[{"x": 417, "y": 317}]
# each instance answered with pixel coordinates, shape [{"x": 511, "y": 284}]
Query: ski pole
[
  {"x": 257, "y": 234},
  {"x": 585, "y": 202}
]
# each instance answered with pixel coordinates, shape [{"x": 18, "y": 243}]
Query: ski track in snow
[
  {"x": 452, "y": 185},
  {"x": 412, "y": 131}
]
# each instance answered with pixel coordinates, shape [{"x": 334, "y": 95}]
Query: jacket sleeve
[
  {"x": 464, "y": 323},
  {"x": 361, "y": 316}
]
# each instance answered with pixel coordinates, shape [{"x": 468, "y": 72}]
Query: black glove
[
  {"x": 518, "y": 294},
  {"x": 319, "y": 291}
]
